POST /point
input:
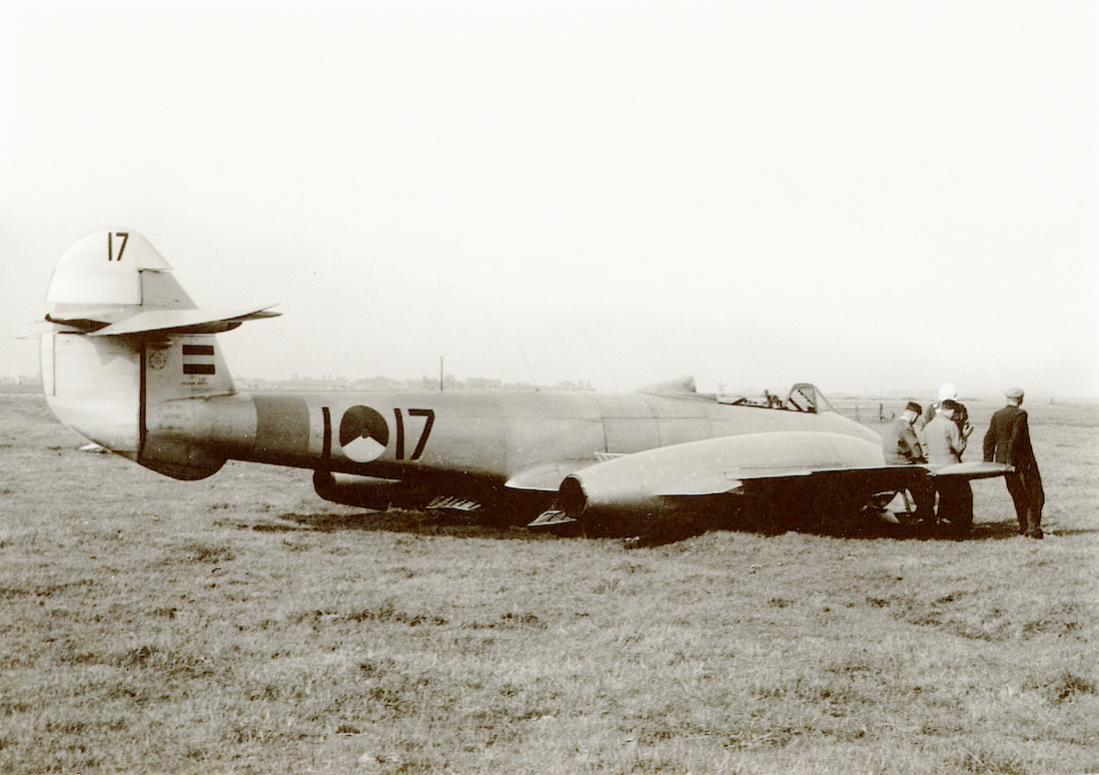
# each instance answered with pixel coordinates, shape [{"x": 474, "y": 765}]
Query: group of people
[{"x": 938, "y": 437}]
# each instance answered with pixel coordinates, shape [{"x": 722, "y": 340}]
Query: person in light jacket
[{"x": 945, "y": 442}]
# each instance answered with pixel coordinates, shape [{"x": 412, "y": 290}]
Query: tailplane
[
  {"x": 128, "y": 343},
  {"x": 112, "y": 283}
]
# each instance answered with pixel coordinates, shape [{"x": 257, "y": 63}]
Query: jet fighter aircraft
[{"x": 132, "y": 364}]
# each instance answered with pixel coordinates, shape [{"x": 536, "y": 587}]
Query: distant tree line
[{"x": 450, "y": 383}]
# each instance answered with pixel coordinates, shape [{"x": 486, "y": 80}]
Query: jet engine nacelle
[
  {"x": 638, "y": 491},
  {"x": 366, "y": 492}
]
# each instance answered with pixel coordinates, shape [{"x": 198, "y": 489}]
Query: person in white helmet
[
  {"x": 955, "y": 499},
  {"x": 947, "y": 392},
  {"x": 944, "y": 443}
]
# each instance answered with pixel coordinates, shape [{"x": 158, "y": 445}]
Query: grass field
[{"x": 240, "y": 624}]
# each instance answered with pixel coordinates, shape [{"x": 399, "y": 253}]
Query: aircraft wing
[
  {"x": 730, "y": 480},
  {"x": 653, "y": 481},
  {"x": 734, "y": 479}
]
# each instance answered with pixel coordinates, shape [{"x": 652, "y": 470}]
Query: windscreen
[{"x": 805, "y": 397}]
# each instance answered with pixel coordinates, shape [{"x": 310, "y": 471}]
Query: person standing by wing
[
  {"x": 945, "y": 443},
  {"x": 900, "y": 443},
  {"x": 944, "y": 440},
  {"x": 901, "y": 446},
  {"x": 947, "y": 392},
  {"x": 1008, "y": 441}
]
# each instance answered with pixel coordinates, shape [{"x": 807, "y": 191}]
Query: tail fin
[{"x": 128, "y": 342}]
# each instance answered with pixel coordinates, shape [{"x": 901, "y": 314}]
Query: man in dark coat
[{"x": 1008, "y": 441}]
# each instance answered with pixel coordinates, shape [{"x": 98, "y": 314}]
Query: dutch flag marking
[{"x": 193, "y": 351}]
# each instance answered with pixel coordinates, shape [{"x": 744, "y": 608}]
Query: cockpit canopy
[
  {"x": 803, "y": 397},
  {"x": 806, "y": 397}
]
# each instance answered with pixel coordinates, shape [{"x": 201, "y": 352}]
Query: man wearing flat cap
[
  {"x": 900, "y": 443},
  {"x": 1008, "y": 441},
  {"x": 901, "y": 446}
]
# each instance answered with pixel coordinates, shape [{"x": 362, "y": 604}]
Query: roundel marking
[{"x": 363, "y": 434}]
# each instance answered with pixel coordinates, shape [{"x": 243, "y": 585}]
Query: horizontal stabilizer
[
  {"x": 35, "y": 330},
  {"x": 184, "y": 321}
]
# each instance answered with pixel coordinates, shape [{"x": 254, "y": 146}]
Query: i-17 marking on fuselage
[{"x": 364, "y": 433}]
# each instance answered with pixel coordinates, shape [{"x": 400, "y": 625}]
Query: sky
[{"x": 869, "y": 196}]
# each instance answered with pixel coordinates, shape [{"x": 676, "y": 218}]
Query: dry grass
[{"x": 241, "y": 625}]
